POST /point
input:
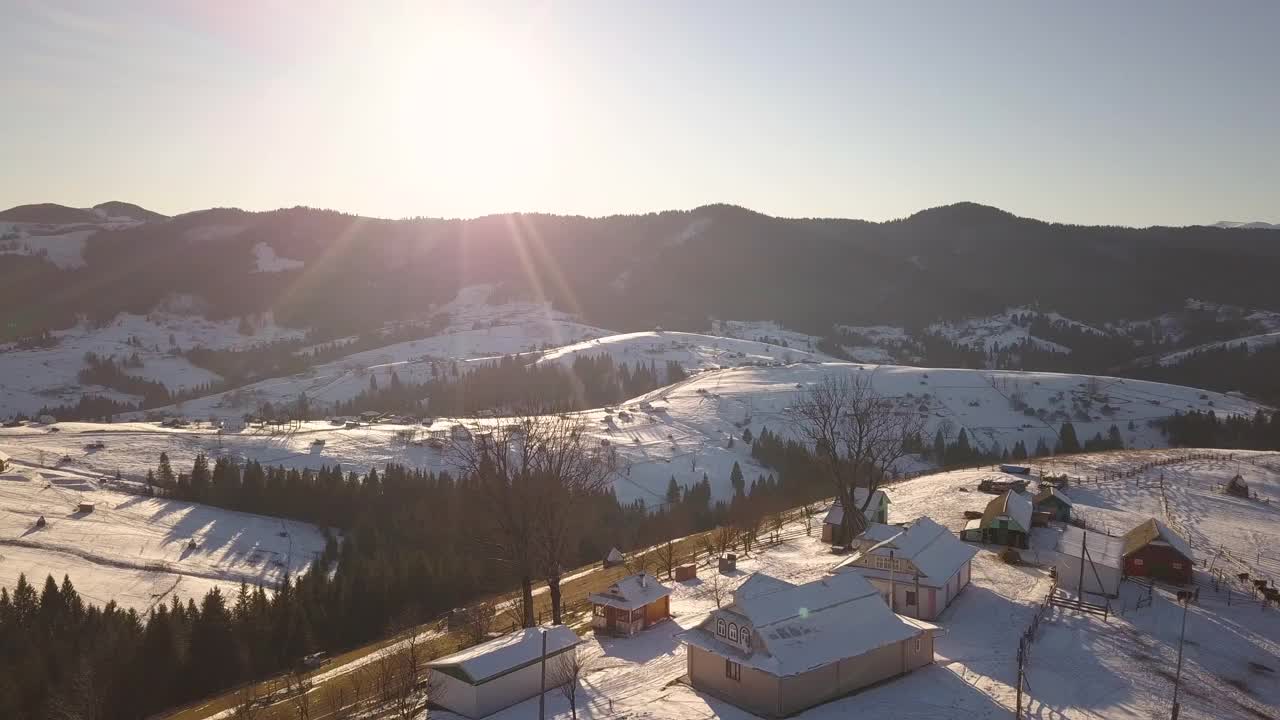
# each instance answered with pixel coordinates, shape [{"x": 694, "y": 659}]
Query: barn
[
  {"x": 877, "y": 512},
  {"x": 1053, "y": 501},
  {"x": 497, "y": 674},
  {"x": 1155, "y": 551},
  {"x": 630, "y": 605},
  {"x": 1237, "y": 487},
  {"x": 1090, "y": 562},
  {"x": 1005, "y": 521}
]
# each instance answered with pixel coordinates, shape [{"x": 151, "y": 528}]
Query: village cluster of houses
[{"x": 778, "y": 648}]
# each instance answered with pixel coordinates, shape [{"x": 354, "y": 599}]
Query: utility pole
[
  {"x": 1184, "y": 597},
  {"x": 542, "y": 685}
]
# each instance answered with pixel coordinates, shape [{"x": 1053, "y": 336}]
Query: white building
[
  {"x": 1103, "y": 562},
  {"x": 484, "y": 679},
  {"x": 780, "y": 648},
  {"x": 877, "y": 512},
  {"x": 918, "y": 570}
]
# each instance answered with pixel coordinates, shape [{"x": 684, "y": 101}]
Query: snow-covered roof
[
  {"x": 1048, "y": 491},
  {"x": 632, "y": 592},
  {"x": 1155, "y": 531},
  {"x": 879, "y": 532},
  {"x": 614, "y": 556},
  {"x": 935, "y": 552},
  {"x": 812, "y": 625},
  {"x": 1104, "y": 550},
  {"x": 507, "y": 653},
  {"x": 835, "y": 514},
  {"x": 759, "y": 584},
  {"x": 1011, "y": 503}
]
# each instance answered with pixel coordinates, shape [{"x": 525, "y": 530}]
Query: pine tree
[
  {"x": 164, "y": 474},
  {"x": 736, "y": 480},
  {"x": 1067, "y": 441},
  {"x": 1042, "y": 449}
]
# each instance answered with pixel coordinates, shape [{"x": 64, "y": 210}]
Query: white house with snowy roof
[
  {"x": 918, "y": 570},
  {"x": 780, "y": 648},
  {"x": 493, "y": 675}
]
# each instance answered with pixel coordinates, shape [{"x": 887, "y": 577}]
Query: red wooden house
[
  {"x": 1153, "y": 550},
  {"x": 630, "y": 605}
]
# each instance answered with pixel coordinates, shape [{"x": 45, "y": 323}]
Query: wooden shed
[
  {"x": 85, "y": 506},
  {"x": 1005, "y": 521},
  {"x": 1053, "y": 501},
  {"x": 1153, "y": 550},
  {"x": 1237, "y": 487},
  {"x": 630, "y": 605}
]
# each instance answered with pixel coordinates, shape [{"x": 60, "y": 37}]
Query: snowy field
[
  {"x": 684, "y": 431},
  {"x": 138, "y": 550},
  {"x": 1080, "y": 666},
  {"x": 32, "y": 379}
]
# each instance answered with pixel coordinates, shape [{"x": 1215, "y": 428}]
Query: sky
[{"x": 1128, "y": 113}]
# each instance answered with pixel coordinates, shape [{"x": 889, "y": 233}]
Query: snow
[
  {"x": 988, "y": 332},
  {"x": 64, "y": 249},
  {"x": 1104, "y": 550},
  {"x": 508, "y": 652},
  {"x": 694, "y": 352},
  {"x": 632, "y": 592},
  {"x": 935, "y": 552},
  {"x": 1048, "y": 491},
  {"x": 266, "y": 260},
  {"x": 1013, "y": 504},
  {"x": 135, "y": 549},
  {"x": 684, "y": 433},
  {"x": 32, "y": 379},
  {"x": 1252, "y": 343},
  {"x": 766, "y": 331}
]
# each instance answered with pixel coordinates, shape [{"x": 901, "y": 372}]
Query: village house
[
  {"x": 918, "y": 571},
  {"x": 1006, "y": 521},
  {"x": 779, "y": 648},
  {"x": 493, "y": 675},
  {"x": 1053, "y": 501},
  {"x": 1090, "y": 562},
  {"x": 1153, "y": 550},
  {"x": 630, "y": 605},
  {"x": 877, "y": 512}
]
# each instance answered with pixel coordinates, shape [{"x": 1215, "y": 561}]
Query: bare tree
[
  {"x": 477, "y": 622},
  {"x": 300, "y": 693},
  {"x": 717, "y": 588},
  {"x": 857, "y": 436},
  {"x": 534, "y": 472},
  {"x": 246, "y": 705},
  {"x": 570, "y": 667},
  {"x": 776, "y": 521},
  {"x": 667, "y": 558},
  {"x": 723, "y": 539},
  {"x": 337, "y": 702}
]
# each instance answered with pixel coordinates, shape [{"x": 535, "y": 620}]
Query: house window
[
  {"x": 911, "y": 597},
  {"x": 1177, "y": 566},
  {"x": 744, "y": 635},
  {"x": 1137, "y": 562},
  {"x": 721, "y": 627},
  {"x": 883, "y": 563},
  {"x": 733, "y": 632},
  {"x": 599, "y": 610},
  {"x": 733, "y": 670},
  {"x": 917, "y": 643}
]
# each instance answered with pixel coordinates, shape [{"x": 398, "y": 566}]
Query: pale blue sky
[{"x": 1093, "y": 112}]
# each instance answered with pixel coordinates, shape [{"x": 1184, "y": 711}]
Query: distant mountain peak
[
  {"x": 962, "y": 212},
  {"x": 118, "y": 208},
  {"x": 1246, "y": 225}
]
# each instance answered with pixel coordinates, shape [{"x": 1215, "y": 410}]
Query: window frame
[{"x": 732, "y": 670}]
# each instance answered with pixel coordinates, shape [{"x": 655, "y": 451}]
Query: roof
[
  {"x": 502, "y": 655},
  {"x": 974, "y": 524},
  {"x": 812, "y": 625},
  {"x": 1048, "y": 491},
  {"x": 1011, "y": 503},
  {"x": 1237, "y": 481},
  {"x": 935, "y": 552},
  {"x": 1104, "y": 550},
  {"x": 759, "y": 584},
  {"x": 1153, "y": 531},
  {"x": 879, "y": 532},
  {"x": 614, "y": 556},
  {"x": 835, "y": 513},
  {"x": 629, "y": 593}
]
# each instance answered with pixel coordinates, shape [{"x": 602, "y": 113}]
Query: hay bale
[{"x": 1011, "y": 556}]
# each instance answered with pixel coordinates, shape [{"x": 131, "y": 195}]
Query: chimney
[{"x": 644, "y": 580}]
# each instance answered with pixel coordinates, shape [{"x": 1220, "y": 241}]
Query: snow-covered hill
[
  {"x": 137, "y": 550},
  {"x": 692, "y": 351},
  {"x": 681, "y": 431}
]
